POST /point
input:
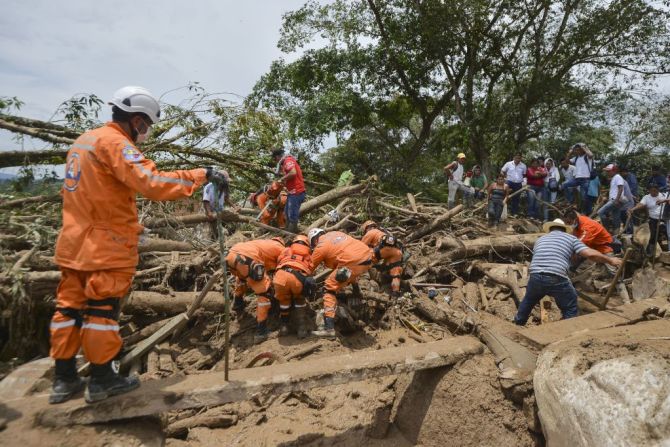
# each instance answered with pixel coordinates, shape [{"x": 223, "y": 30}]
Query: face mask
[{"x": 141, "y": 137}]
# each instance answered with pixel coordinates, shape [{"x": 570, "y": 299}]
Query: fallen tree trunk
[
  {"x": 497, "y": 244},
  {"x": 153, "y": 244},
  {"x": 20, "y": 158},
  {"x": 435, "y": 224},
  {"x": 17, "y": 203},
  {"x": 153, "y": 302},
  {"x": 332, "y": 195},
  {"x": 321, "y": 221},
  {"x": 195, "y": 219}
]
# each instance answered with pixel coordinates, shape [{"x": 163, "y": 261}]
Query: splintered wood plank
[
  {"x": 545, "y": 334},
  {"x": 412, "y": 202},
  {"x": 211, "y": 389}
]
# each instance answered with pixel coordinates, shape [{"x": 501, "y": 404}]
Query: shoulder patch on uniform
[
  {"x": 131, "y": 154},
  {"x": 72, "y": 172}
]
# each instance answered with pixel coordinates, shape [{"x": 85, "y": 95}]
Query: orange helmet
[
  {"x": 300, "y": 239},
  {"x": 278, "y": 239},
  {"x": 274, "y": 189},
  {"x": 367, "y": 225}
]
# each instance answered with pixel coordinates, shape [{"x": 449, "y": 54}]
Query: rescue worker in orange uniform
[
  {"x": 590, "y": 232},
  {"x": 271, "y": 200},
  {"x": 386, "y": 248},
  {"x": 251, "y": 262},
  {"x": 292, "y": 282},
  {"x": 97, "y": 245},
  {"x": 348, "y": 257}
]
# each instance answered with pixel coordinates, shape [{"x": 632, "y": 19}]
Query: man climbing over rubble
[
  {"x": 271, "y": 200},
  {"x": 589, "y": 232},
  {"x": 251, "y": 262},
  {"x": 293, "y": 282},
  {"x": 349, "y": 258},
  {"x": 97, "y": 246},
  {"x": 655, "y": 203},
  {"x": 548, "y": 270},
  {"x": 387, "y": 249},
  {"x": 581, "y": 157},
  {"x": 620, "y": 198},
  {"x": 454, "y": 172},
  {"x": 289, "y": 173}
]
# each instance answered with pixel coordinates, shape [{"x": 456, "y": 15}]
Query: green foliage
[
  {"x": 9, "y": 104},
  {"x": 80, "y": 112},
  {"x": 406, "y": 84}
]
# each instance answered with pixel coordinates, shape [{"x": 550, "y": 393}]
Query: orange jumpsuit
[
  {"x": 293, "y": 261},
  {"x": 239, "y": 258},
  {"x": 593, "y": 235},
  {"x": 392, "y": 256},
  {"x": 275, "y": 210},
  {"x": 97, "y": 246},
  {"x": 336, "y": 249}
]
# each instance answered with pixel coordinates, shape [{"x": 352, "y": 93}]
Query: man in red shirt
[{"x": 290, "y": 175}]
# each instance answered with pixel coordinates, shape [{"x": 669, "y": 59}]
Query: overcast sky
[{"x": 50, "y": 51}]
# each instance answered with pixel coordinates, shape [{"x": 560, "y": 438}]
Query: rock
[
  {"x": 603, "y": 393},
  {"x": 649, "y": 283}
]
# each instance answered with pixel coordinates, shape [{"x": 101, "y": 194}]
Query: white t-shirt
[
  {"x": 582, "y": 165},
  {"x": 552, "y": 173},
  {"x": 568, "y": 173},
  {"x": 208, "y": 196},
  {"x": 616, "y": 181},
  {"x": 457, "y": 173},
  {"x": 514, "y": 172},
  {"x": 653, "y": 209}
]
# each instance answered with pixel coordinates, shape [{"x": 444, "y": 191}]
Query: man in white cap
[
  {"x": 549, "y": 270},
  {"x": 454, "y": 172}
]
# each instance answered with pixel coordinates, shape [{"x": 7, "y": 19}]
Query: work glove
[{"x": 219, "y": 178}]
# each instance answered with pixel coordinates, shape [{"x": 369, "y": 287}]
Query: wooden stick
[
  {"x": 617, "y": 275},
  {"x": 412, "y": 202}
]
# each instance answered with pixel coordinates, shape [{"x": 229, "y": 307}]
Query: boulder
[{"x": 607, "y": 387}]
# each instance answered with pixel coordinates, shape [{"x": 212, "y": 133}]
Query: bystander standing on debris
[
  {"x": 551, "y": 182},
  {"x": 568, "y": 172},
  {"x": 655, "y": 204},
  {"x": 454, "y": 172},
  {"x": 582, "y": 159},
  {"x": 592, "y": 195},
  {"x": 514, "y": 171},
  {"x": 478, "y": 184},
  {"x": 658, "y": 178},
  {"x": 497, "y": 192},
  {"x": 535, "y": 177},
  {"x": 616, "y": 200},
  {"x": 548, "y": 270}
]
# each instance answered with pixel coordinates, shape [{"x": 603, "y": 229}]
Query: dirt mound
[{"x": 461, "y": 406}]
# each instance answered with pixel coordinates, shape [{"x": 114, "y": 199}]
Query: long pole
[
  {"x": 617, "y": 275},
  {"x": 226, "y": 291}
]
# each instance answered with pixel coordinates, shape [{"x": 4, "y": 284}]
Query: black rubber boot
[
  {"x": 238, "y": 305},
  {"x": 328, "y": 329},
  {"x": 283, "y": 326},
  {"x": 262, "y": 332},
  {"x": 301, "y": 322},
  {"x": 66, "y": 381},
  {"x": 105, "y": 383}
]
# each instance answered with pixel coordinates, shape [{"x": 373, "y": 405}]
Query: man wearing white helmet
[{"x": 97, "y": 246}]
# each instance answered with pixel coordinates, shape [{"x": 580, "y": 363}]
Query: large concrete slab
[
  {"x": 545, "y": 334},
  {"x": 211, "y": 389}
]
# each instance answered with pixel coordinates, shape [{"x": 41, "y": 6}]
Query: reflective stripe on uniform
[
  {"x": 162, "y": 179},
  {"x": 300, "y": 305},
  {"x": 281, "y": 306},
  {"x": 86, "y": 147},
  {"x": 263, "y": 304},
  {"x": 101, "y": 327},
  {"x": 62, "y": 324}
]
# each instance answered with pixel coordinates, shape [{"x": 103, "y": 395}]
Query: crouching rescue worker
[
  {"x": 251, "y": 262},
  {"x": 271, "y": 200},
  {"x": 385, "y": 248},
  {"x": 348, "y": 257},
  {"x": 97, "y": 246},
  {"x": 293, "y": 282}
]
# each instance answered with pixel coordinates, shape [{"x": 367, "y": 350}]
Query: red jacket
[{"x": 295, "y": 185}]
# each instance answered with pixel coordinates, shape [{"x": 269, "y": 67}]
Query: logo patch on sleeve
[
  {"x": 72, "y": 172},
  {"x": 131, "y": 154}
]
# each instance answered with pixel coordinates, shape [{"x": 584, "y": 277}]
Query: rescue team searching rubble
[{"x": 97, "y": 246}]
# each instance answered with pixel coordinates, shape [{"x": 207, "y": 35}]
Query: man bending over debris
[
  {"x": 549, "y": 270},
  {"x": 293, "y": 282},
  {"x": 348, "y": 257},
  {"x": 271, "y": 200},
  {"x": 250, "y": 262},
  {"x": 97, "y": 246},
  {"x": 386, "y": 248}
]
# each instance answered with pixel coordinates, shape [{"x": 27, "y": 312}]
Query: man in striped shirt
[{"x": 549, "y": 270}]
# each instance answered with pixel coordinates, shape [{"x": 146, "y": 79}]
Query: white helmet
[
  {"x": 137, "y": 100},
  {"x": 313, "y": 234}
]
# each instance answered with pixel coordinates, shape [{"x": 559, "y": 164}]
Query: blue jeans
[
  {"x": 292, "y": 209},
  {"x": 536, "y": 192},
  {"x": 611, "y": 212},
  {"x": 583, "y": 184},
  {"x": 557, "y": 287},
  {"x": 549, "y": 197},
  {"x": 514, "y": 201},
  {"x": 588, "y": 205}
]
